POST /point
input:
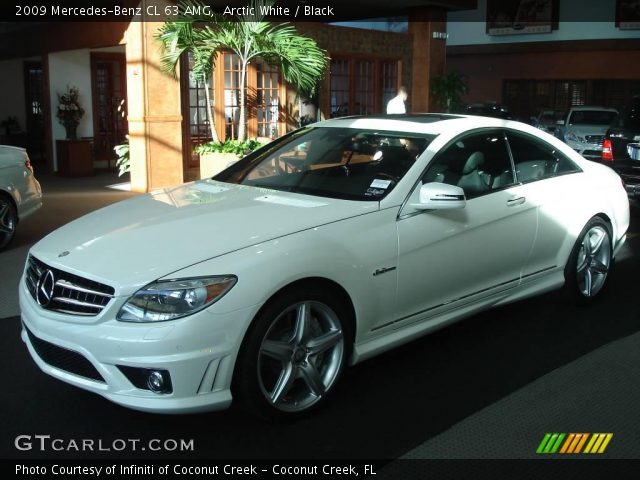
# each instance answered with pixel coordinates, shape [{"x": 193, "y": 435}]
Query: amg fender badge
[{"x": 380, "y": 271}]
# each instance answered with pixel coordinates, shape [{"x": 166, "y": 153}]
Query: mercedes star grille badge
[{"x": 44, "y": 288}]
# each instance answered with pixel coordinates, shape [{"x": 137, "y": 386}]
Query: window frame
[
  {"x": 251, "y": 107},
  {"x": 378, "y": 84}
]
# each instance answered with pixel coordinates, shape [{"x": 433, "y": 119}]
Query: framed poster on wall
[
  {"x": 509, "y": 17},
  {"x": 628, "y": 14}
]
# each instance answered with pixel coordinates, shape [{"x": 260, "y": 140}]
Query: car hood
[
  {"x": 133, "y": 242},
  {"x": 10, "y": 156}
]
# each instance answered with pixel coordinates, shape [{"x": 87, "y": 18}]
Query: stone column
[
  {"x": 153, "y": 102},
  {"x": 428, "y": 54}
]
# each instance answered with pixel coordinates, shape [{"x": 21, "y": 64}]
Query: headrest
[{"x": 475, "y": 160}]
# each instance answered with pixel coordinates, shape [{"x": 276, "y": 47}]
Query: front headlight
[{"x": 171, "y": 299}]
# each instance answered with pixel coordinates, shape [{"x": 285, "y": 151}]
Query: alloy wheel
[
  {"x": 300, "y": 356},
  {"x": 594, "y": 260}
]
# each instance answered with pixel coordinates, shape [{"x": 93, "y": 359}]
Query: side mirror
[{"x": 440, "y": 196}]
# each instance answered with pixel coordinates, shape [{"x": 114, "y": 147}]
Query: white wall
[
  {"x": 468, "y": 27},
  {"x": 71, "y": 68},
  {"x": 12, "y": 91}
]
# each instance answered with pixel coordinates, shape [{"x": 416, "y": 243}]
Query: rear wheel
[
  {"x": 8, "y": 221},
  {"x": 588, "y": 266},
  {"x": 293, "y": 355}
]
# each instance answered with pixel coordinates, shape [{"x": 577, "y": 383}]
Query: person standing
[{"x": 396, "y": 104}]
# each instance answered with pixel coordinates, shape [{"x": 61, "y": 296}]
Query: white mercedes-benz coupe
[
  {"x": 330, "y": 245},
  {"x": 20, "y": 192}
]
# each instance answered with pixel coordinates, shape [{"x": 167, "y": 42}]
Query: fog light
[
  {"x": 156, "y": 382},
  {"x": 152, "y": 379}
]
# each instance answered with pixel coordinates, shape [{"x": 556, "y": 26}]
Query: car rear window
[{"x": 591, "y": 117}]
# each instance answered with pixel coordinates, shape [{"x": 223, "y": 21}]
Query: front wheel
[
  {"x": 588, "y": 266},
  {"x": 292, "y": 356}
]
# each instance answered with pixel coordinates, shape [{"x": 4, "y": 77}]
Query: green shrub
[
  {"x": 123, "y": 163},
  {"x": 229, "y": 146}
]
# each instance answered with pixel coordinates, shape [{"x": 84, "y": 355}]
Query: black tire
[
  {"x": 8, "y": 221},
  {"x": 271, "y": 351},
  {"x": 594, "y": 264}
]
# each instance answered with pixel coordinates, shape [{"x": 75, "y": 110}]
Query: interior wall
[{"x": 70, "y": 69}]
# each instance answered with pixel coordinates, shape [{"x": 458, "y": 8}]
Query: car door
[
  {"x": 542, "y": 171},
  {"x": 452, "y": 257}
]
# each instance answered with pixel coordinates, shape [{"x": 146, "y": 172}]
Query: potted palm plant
[
  {"x": 299, "y": 58},
  {"x": 448, "y": 89}
]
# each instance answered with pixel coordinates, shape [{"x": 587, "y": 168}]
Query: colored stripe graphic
[
  {"x": 574, "y": 443},
  {"x": 550, "y": 443},
  {"x": 598, "y": 443}
]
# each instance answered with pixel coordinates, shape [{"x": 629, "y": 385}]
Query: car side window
[
  {"x": 535, "y": 161},
  {"x": 478, "y": 163}
]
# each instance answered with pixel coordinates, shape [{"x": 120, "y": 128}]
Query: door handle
[{"x": 516, "y": 201}]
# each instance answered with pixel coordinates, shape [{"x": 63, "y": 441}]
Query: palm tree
[
  {"x": 448, "y": 90},
  {"x": 299, "y": 58},
  {"x": 180, "y": 36}
]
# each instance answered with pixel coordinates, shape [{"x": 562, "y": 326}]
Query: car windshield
[
  {"x": 346, "y": 163},
  {"x": 591, "y": 117}
]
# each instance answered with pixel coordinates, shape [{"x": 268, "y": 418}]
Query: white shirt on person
[{"x": 396, "y": 105}]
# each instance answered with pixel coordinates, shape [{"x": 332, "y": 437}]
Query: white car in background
[
  {"x": 583, "y": 129},
  {"x": 329, "y": 245},
  {"x": 20, "y": 193}
]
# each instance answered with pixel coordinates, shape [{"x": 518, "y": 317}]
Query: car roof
[{"x": 426, "y": 123}]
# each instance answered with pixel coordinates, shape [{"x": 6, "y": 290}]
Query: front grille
[
  {"x": 64, "y": 359},
  {"x": 71, "y": 294},
  {"x": 595, "y": 139}
]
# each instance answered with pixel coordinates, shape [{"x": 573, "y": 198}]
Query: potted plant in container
[
  {"x": 216, "y": 156},
  {"x": 70, "y": 111}
]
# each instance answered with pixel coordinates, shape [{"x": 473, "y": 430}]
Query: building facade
[
  {"x": 588, "y": 54},
  {"x": 115, "y": 66}
]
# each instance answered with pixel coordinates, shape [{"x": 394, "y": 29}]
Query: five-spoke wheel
[
  {"x": 293, "y": 354},
  {"x": 590, "y": 260},
  {"x": 594, "y": 258}
]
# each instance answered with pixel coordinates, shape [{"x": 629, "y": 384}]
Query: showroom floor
[{"x": 488, "y": 387}]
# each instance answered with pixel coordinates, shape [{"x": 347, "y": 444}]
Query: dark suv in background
[{"x": 621, "y": 147}]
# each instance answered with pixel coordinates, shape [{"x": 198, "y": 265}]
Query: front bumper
[{"x": 198, "y": 351}]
